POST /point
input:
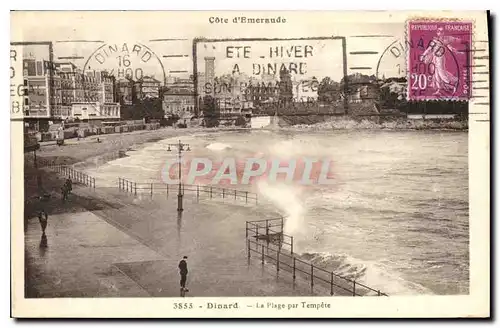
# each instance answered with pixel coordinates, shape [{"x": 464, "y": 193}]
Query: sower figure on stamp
[
  {"x": 183, "y": 270},
  {"x": 443, "y": 80}
]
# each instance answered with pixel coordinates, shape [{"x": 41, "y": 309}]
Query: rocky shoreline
[{"x": 402, "y": 124}]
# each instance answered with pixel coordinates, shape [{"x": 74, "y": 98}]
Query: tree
[
  {"x": 145, "y": 108},
  {"x": 240, "y": 121},
  {"x": 211, "y": 112},
  {"x": 328, "y": 90}
]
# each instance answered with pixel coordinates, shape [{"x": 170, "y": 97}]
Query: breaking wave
[{"x": 217, "y": 146}]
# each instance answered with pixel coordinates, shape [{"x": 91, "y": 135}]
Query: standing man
[
  {"x": 69, "y": 185},
  {"x": 183, "y": 269},
  {"x": 43, "y": 218}
]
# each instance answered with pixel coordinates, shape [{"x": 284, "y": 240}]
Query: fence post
[
  {"x": 267, "y": 228},
  {"x": 248, "y": 247},
  {"x": 167, "y": 189},
  {"x": 235, "y": 194},
  {"x": 197, "y": 192},
  {"x": 126, "y": 181},
  {"x": 119, "y": 184},
  {"x": 262, "y": 254},
  {"x": 246, "y": 229},
  {"x": 151, "y": 190},
  {"x": 354, "y": 288},
  {"x": 331, "y": 283},
  {"x": 378, "y": 292},
  {"x": 257, "y": 230},
  {"x": 210, "y": 192},
  {"x": 281, "y": 224},
  {"x": 246, "y": 197},
  {"x": 291, "y": 245},
  {"x": 312, "y": 275},
  {"x": 223, "y": 193},
  {"x": 293, "y": 268},
  {"x": 93, "y": 179},
  {"x": 135, "y": 187},
  {"x": 278, "y": 262}
]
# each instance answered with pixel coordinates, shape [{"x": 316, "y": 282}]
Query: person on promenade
[
  {"x": 66, "y": 189},
  {"x": 69, "y": 185},
  {"x": 43, "y": 218},
  {"x": 183, "y": 271}
]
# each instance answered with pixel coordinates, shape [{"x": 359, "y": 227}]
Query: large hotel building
[{"x": 60, "y": 91}]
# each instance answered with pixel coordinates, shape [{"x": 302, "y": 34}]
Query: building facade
[
  {"x": 124, "y": 91},
  {"x": 62, "y": 91},
  {"x": 179, "y": 99},
  {"x": 150, "y": 87}
]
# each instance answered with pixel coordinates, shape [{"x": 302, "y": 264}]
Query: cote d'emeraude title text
[{"x": 247, "y": 20}]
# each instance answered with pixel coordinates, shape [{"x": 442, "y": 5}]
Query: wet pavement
[{"x": 130, "y": 247}]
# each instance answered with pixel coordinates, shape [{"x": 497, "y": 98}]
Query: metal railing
[
  {"x": 268, "y": 244},
  {"x": 74, "y": 175},
  {"x": 211, "y": 192},
  {"x": 289, "y": 262},
  {"x": 263, "y": 230}
]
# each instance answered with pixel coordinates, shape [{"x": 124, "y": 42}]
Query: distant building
[
  {"x": 362, "y": 93},
  {"x": 97, "y": 110},
  {"x": 179, "y": 99},
  {"x": 150, "y": 87},
  {"x": 62, "y": 91},
  {"x": 124, "y": 91}
]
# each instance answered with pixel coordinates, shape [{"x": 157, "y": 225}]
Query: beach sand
[{"x": 74, "y": 151}]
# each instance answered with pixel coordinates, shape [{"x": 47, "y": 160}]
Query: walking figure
[
  {"x": 69, "y": 185},
  {"x": 183, "y": 270},
  {"x": 43, "y": 218},
  {"x": 66, "y": 189}
]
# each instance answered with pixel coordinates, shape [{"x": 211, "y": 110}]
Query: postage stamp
[
  {"x": 439, "y": 60},
  {"x": 249, "y": 165}
]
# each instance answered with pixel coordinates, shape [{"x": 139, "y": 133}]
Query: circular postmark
[
  {"x": 428, "y": 65},
  {"x": 125, "y": 61}
]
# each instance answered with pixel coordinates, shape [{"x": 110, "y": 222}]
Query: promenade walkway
[{"x": 105, "y": 244}]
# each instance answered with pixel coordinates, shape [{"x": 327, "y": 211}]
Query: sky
[{"x": 169, "y": 36}]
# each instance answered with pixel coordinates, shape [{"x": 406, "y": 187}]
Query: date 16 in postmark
[{"x": 439, "y": 62}]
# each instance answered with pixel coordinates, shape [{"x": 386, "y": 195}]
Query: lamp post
[{"x": 180, "y": 147}]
